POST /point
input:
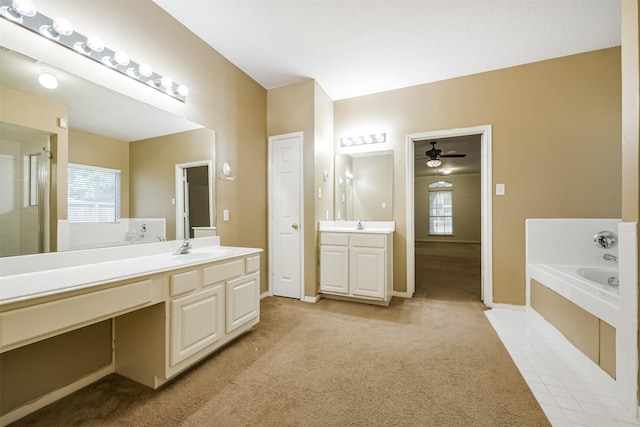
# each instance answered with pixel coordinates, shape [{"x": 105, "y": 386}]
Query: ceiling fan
[{"x": 434, "y": 155}]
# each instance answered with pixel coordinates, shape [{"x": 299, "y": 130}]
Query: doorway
[
  {"x": 194, "y": 197},
  {"x": 486, "y": 288}
]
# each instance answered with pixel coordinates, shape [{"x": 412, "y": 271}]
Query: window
[
  {"x": 93, "y": 194},
  {"x": 441, "y": 208}
]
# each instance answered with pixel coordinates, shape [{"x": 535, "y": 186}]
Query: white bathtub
[{"x": 585, "y": 286}]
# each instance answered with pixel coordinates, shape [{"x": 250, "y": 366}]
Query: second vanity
[
  {"x": 167, "y": 311},
  {"x": 356, "y": 260}
]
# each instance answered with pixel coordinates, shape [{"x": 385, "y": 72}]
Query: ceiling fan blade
[{"x": 453, "y": 155}]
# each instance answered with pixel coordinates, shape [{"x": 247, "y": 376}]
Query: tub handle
[{"x": 605, "y": 239}]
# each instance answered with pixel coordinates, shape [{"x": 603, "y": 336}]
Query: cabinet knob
[{"x": 294, "y": 226}]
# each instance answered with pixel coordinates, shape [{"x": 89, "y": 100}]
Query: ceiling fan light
[
  {"x": 434, "y": 163},
  {"x": 445, "y": 171}
]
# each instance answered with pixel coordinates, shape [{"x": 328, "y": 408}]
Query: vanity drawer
[
  {"x": 337, "y": 239},
  {"x": 221, "y": 272},
  {"x": 184, "y": 282},
  {"x": 42, "y": 319},
  {"x": 253, "y": 263},
  {"x": 368, "y": 240}
]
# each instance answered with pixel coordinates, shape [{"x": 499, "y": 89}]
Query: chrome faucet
[
  {"x": 184, "y": 249},
  {"x": 360, "y": 226},
  {"x": 609, "y": 257}
]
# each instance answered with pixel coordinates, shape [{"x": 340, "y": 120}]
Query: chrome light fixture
[
  {"x": 59, "y": 30},
  {"x": 372, "y": 138}
]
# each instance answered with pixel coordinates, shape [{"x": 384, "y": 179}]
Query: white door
[{"x": 285, "y": 205}]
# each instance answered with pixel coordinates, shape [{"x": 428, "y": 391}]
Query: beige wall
[
  {"x": 466, "y": 208},
  {"x": 87, "y": 148},
  {"x": 553, "y": 121},
  {"x": 306, "y": 107}
]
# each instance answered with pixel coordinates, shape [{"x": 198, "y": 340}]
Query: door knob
[{"x": 294, "y": 226}]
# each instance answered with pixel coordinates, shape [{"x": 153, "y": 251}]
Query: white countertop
[
  {"x": 31, "y": 285},
  {"x": 380, "y": 227}
]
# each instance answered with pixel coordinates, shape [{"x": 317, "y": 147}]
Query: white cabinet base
[{"x": 357, "y": 266}]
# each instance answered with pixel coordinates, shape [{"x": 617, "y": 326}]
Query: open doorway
[
  {"x": 415, "y": 142},
  {"x": 194, "y": 197},
  {"x": 447, "y": 217}
]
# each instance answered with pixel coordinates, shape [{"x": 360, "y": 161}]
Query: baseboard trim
[
  {"x": 265, "y": 294},
  {"x": 401, "y": 294},
  {"x": 446, "y": 241},
  {"x": 512, "y": 307},
  {"x": 311, "y": 299},
  {"x": 55, "y": 395}
]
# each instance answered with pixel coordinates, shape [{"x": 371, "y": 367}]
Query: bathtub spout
[{"x": 609, "y": 257}]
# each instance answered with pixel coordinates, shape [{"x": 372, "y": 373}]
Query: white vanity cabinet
[
  {"x": 153, "y": 314},
  {"x": 357, "y": 266},
  {"x": 209, "y": 306}
]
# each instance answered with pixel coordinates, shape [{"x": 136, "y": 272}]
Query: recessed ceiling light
[{"x": 48, "y": 80}]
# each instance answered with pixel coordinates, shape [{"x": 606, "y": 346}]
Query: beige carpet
[{"x": 430, "y": 361}]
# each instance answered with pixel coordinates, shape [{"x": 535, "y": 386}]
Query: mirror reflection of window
[{"x": 93, "y": 194}]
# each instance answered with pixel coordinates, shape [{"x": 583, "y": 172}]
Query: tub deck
[{"x": 600, "y": 300}]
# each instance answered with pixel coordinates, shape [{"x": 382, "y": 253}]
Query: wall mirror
[
  {"x": 107, "y": 131},
  {"x": 364, "y": 186}
]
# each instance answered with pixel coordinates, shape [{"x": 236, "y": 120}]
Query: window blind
[{"x": 93, "y": 194}]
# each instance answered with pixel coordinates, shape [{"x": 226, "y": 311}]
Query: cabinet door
[
  {"x": 197, "y": 321},
  {"x": 367, "y": 278},
  {"x": 334, "y": 269},
  {"x": 243, "y": 300}
]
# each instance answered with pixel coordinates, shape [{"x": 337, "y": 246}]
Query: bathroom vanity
[
  {"x": 167, "y": 311},
  {"x": 356, "y": 260}
]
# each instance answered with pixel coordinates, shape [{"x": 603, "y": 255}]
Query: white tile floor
[{"x": 570, "y": 388}]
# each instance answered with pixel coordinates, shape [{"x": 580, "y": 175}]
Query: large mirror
[
  {"x": 364, "y": 186},
  {"x": 149, "y": 174}
]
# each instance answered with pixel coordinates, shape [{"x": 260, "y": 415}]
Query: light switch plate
[
  {"x": 500, "y": 189},
  {"x": 225, "y": 214}
]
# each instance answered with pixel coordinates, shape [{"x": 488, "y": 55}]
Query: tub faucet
[
  {"x": 184, "y": 249},
  {"x": 609, "y": 257}
]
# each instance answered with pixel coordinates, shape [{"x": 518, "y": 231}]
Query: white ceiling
[{"x": 358, "y": 47}]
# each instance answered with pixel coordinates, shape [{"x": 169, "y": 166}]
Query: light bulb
[
  {"x": 18, "y": 10},
  {"x": 164, "y": 82},
  {"x": 121, "y": 58},
  {"x": 59, "y": 27},
  {"x": 182, "y": 90},
  {"x": 143, "y": 70},
  {"x": 92, "y": 44}
]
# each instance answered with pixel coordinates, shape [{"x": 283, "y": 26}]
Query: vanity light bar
[
  {"x": 363, "y": 139},
  {"x": 60, "y": 31}
]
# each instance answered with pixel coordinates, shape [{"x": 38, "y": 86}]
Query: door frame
[
  {"x": 271, "y": 223},
  {"x": 180, "y": 193},
  {"x": 486, "y": 190}
]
